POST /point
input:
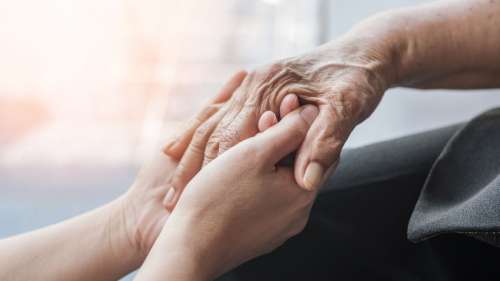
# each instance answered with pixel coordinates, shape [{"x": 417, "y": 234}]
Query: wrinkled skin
[{"x": 345, "y": 83}]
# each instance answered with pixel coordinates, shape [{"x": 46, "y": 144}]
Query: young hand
[
  {"x": 239, "y": 206},
  {"x": 144, "y": 212}
]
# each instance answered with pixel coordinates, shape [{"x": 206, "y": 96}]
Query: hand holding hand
[
  {"x": 143, "y": 208},
  {"x": 343, "y": 81},
  {"x": 239, "y": 206}
]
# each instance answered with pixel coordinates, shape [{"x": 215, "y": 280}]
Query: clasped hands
[{"x": 222, "y": 174}]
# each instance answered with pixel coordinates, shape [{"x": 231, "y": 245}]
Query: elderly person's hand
[
  {"x": 415, "y": 47},
  {"x": 345, "y": 80}
]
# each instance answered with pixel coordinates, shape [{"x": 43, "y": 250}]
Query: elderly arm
[
  {"x": 445, "y": 44},
  {"x": 449, "y": 44}
]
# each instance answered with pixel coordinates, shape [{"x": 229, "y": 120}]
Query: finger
[
  {"x": 234, "y": 128},
  {"x": 191, "y": 161},
  {"x": 267, "y": 120},
  {"x": 286, "y": 136},
  {"x": 178, "y": 145},
  {"x": 289, "y": 103},
  {"x": 228, "y": 89},
  {"x": 321, "y": 148}
]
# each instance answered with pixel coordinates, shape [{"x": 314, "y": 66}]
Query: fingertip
[
  {"x": 172, "y": 149},
  {"x": 313, "y": 176},
  {"x": 289, "y": 103},
  {"x": 267, "y": 120}
]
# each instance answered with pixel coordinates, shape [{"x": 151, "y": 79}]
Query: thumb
[
  {"x": 319, "y": 153},
  {"x": 286, "y": 136}
]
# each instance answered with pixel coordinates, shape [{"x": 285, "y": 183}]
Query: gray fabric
[
  {"x": 358, "y": 225},
  {"x": 462, "y": 193}
]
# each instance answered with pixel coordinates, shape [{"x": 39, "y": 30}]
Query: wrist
[
  {"x": 118, "y": 235},
  {"x": 180, "y": 254},
  {"x": 379, "y": 44}
]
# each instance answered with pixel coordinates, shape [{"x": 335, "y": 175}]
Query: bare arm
[
  {"x": 444, "y": 44},
  {"x": 93, "y": 246},
  {"x": 449, "y": 44},
  {"x": 108, "y": 242}
]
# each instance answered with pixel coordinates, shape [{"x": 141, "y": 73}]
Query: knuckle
[
  {"x": 211, "y": 151},
  {"x": 202, "y": 132},
  {"x": 268, "y": 84},
  {"x": 340, "y": 104},
  {"x": 212, "y": 148},
  {"x": 201, "y": 139},
  {"x": 351, "y": 105},
  {"x": 327, "y": 147},
  {"x": 334, "y": 144},
  {"x": 330, "y": 137},
  {"x": 197, "y": 147}
]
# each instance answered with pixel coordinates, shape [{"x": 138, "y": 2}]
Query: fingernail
[
  {"x": 267, "y": 120},
  {"x": 169, "y": 197},
  {"x": 290, "y": 103},
  {"x": 309, "y": 113},
  {"x": 313, "y": 175}
]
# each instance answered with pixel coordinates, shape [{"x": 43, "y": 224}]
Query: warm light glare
[{"x": 103, "y": 82}]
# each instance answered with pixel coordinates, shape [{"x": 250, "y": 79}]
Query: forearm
[
  {"x": 175, "y": 256},
  {"x": 445, "y": 44},
  {"x": 452, "y": 44},
  {"x": 92, "y": 246}
]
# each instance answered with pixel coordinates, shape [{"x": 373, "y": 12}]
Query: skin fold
[{"x": 444, "y": 44}]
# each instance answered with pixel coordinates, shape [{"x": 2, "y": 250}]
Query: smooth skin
[
  {"x": 106, "y": 243},
  {"x": 113, "y": 240},
  {"x": 444, "y": 44},
  {"x": 223, "y": 217}
]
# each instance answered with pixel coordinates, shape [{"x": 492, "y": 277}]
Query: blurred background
[{"x": 90, "y": 88}]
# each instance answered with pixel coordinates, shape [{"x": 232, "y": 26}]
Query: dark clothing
[{"x": 442, "y": 184}]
